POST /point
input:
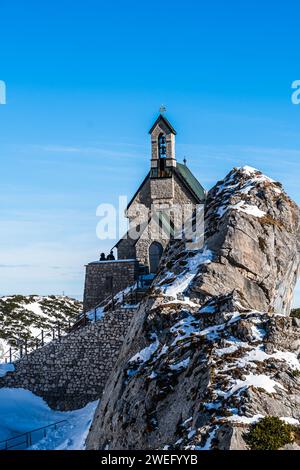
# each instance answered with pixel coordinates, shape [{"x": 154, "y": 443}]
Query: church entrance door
[{"x": 155, "y": 252}]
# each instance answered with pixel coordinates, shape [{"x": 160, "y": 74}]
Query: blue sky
[{"x": 84, "y": 83}]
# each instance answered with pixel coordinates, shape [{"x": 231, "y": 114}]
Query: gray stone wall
[
  {"x": 181, "y": 194},
  {"x": 140, "y": 204},
  {"x": 73, "y": 371},
  {"x": 162, "y": 189},
  {"x": 126, "y": 249},
  {"x": 143, "y": 245},
  {"x": 97, "y": 285}
]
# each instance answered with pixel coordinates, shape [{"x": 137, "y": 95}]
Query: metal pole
[
  {"x": 112, "y": 293},
  {"x": 53, "y": 334},
  {"x": 10, "y": 356},
  {"x": 21, "y": 351},
  {"x": 95, "y": 314},
  {"x": 25, "y": 346},
  {"x": 42, "y": 337}
]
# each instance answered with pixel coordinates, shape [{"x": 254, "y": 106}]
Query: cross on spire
[{"x": 162, "y": 109}]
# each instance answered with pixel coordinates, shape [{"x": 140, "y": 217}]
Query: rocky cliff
[{"x": 212, "y": 349}]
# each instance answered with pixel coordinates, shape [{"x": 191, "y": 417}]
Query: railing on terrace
[
  {"x": 131, "y": 295},
  {"x": 27, "y": 345},
  {"x": 27, "y": 439}
]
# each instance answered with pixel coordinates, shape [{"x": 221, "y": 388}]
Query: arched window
[
  {"x": 162, "y": 146},
  {"x": 155, "y": 252}
]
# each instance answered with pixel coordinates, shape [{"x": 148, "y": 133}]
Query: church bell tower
[
  {"x": 163, "y": 161},
  {"x": 162, "y": 148}
]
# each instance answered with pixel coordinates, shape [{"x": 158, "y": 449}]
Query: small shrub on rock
[{"x": 270, "y": 433}]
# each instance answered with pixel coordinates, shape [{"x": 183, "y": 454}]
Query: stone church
[{"x": 168, "y": 193}]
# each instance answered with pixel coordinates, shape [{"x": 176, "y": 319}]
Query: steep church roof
[
  {"x": 186, "y": 176},
  {"x": 165, "y": 121},
  {"x": 189, "y": 179}
]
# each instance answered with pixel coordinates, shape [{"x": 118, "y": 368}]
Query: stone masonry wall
[
  {"x": 97, "y": 287},
  {"x": 73, "y": 371}
]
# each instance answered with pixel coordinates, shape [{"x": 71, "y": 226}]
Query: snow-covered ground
[
  {"x": 22, "y": 411},
  {"x": 4, "y": 368}
]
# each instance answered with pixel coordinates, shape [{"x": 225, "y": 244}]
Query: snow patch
[
  {"x": 289, "y": 420},
  {"x": 4, "y": 368},
  {"x": 180, "y": 365},
  {"x": 182, "y": 281},
  {"x": 145, "y": 354},
  {"x": 21, "y": 411},
  {"x": 257, "y": 381},
  {"x": 244, "y": 419}
]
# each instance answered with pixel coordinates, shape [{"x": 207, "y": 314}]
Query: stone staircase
[{"x": 71, "y": 371}]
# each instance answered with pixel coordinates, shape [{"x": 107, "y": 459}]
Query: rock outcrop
[{"x": 213, "y": 349}]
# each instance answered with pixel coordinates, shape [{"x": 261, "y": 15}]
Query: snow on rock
[
  {"x": 181, "y": 283},
  {"x": 241, "y": 182},
  {"x": 238, "y": 357},
  {"x": 22, "y": 411},
  {"x": 262, "y": 381},
  {"x": 244, "y": 419},
  {"x": 180, "y": 365},
  {"x": 289, "y": 420},
  {"x": 242, "y": 207},
  {"x": 146, "y": 353},
  {"x": 259, "y": 355},
  {"x": 208, "y": 443}
]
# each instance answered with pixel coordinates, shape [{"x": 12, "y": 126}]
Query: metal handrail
[
  {"x": 109, "y": 302},
  {"x": 23, "y": 345},
  {"x": 28, "y": 436}
]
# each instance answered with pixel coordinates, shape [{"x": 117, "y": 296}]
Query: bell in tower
[{"x": 162, "y": 148}]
